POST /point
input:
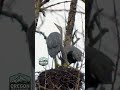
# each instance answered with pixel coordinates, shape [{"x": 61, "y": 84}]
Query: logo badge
[
  {"x": 19, "y": 82},
  {"x": 43, "y": 61}
]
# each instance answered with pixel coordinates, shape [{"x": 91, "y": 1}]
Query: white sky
[{"x": 48, "y": 27}]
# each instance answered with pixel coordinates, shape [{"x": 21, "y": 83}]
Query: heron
[
  {"x": 98, "y": 69},
  {"x": 73, "y": 54},
  {"x": 54, "y": 43}
]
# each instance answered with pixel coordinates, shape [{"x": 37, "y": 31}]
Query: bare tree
[{"x": 47, "y": 75}]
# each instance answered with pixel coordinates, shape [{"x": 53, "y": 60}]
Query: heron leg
[{"x": 56, "y": 63}]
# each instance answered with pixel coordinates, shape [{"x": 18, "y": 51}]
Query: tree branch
[
  {"x": 74, "y": 35},
  {"x": 76, "y": 41},
  {"x": 91, "y": 26},
  {"x": 45, "y": 37},
  {"x": 55, "y": 4},
  {"x": 70, "y": 23},
  {"x": 17, "y": 17},
  {"x": 118, "y": 39},
  {"x": 59, "y": 10}
]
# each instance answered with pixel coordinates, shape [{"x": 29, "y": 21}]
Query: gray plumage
[
  {"x": 54, "y": 43},
  {"x": 99, "y": 67},
  {"x": 73, "y": 54}
]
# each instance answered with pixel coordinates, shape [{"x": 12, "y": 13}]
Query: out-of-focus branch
[
  {"x": 118, "y": 39},
  {"x": 98, "y": 37},
  {"x": 76, "y": 41},
  {"x": 8, "y": 4},
  {"x": 1, "y": 5},
  {"x": 90, "y": 27},
  {"x": 94, "y": 18},
  {"x": 16, "y": 17},
  {"x": 83, "y": 1}
]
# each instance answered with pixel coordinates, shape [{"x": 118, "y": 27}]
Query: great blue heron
[
  {"x": 98, "y": 68},
  {"x": 54, "y": 43},
  {"x": 73, "y": 54}
]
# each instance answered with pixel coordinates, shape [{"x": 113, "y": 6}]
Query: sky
[{"x": 60, "y": 18}]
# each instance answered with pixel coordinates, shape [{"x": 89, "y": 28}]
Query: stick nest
[{"x": 61, "y": 78}]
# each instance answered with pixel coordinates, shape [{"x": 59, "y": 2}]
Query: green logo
[{"x": 43, "y": 61}]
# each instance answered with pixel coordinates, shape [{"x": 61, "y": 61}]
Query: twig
[
  {"x": 74, "y": 34},
  {"x": 42, "y": 22},
  {"x": 45, "y": 37},
  {"x": 99, "y": 23},
  {"x": 94, "y": 17},
  {"x": 1, "y": 5},
  {"x": 44, "y": 2},
  {"x": 59, "y": 10},
  {"x": 98, "y": 37},
  {"x": 55, "y": 4},
  {"x": 118, "y": 38},
  {"x": 76, "y": 41}
]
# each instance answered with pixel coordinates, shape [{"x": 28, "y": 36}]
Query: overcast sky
[{"x": 48, "y": 26}]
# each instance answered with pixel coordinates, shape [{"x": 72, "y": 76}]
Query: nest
[{"x": 60, "y": 79}]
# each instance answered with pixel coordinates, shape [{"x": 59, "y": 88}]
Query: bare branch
[
  {"x": 91, "y": 26},
  {"x": 74, "y": 35},
  {"x": 55, "y": 4},
  {"x": 59, "y": 10},
  {"x": 76, "y": 41},
  {"x": 45, "y": 37},
  {"x": 44, "y": 2},
  {"x": 17, "y": 17}
]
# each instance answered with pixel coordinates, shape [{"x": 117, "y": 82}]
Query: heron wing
[
  {"x": 101, "y": 67},
  {"x": 53, "y": 44}
]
